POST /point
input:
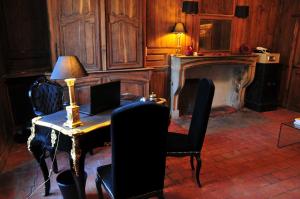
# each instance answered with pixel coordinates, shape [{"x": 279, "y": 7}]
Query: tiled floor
[{"x": 240, "y": 160}]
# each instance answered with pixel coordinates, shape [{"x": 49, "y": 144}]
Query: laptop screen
[
  {"x": 102, "y": 97},
  {"x": 105, "y": 96}
]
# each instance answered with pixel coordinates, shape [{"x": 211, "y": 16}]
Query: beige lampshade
[
  {"x": 68, "y": 67},
  {"x": 179, "y": 28}
]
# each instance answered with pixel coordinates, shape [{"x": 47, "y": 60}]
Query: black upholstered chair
[
  {"x": 138, "y": 135},
  {"x": 191, "y": 144},
  {"x": 46, "y": 97}
]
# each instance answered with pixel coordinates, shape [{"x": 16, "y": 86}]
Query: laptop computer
[{"x": 102, "y": 97}]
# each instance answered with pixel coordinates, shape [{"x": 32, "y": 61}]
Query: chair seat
[{"x": 178, "y": 143}]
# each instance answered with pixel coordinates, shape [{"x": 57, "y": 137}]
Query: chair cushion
[
  {"x": 177, "y": 143},
  {"x": 104, "y": 174}
]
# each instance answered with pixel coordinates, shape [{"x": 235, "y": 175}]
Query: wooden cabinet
[
  {"x": 106, "y": 36},
  {"x": 95, "y": 29},
  {"x": 125, "y": 33},
  {"x": 78, "y": 31}
]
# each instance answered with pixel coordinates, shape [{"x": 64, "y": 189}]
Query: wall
[
  {"x": 257, "y": 30},
  {"x": 283, "y": 43},
  {"x": 269, "y": 24},
  {"x": 4, "y": 138}
]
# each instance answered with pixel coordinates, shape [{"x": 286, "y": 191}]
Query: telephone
[
  {"x": 261, "y": 50},
  {"x": 265, "y": 57}
]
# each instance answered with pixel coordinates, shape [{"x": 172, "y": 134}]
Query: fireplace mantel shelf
[
  {"x": 180, "y": 65},
  {"x": 220, "y": 56}
]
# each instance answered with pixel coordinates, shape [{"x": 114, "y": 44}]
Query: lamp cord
[{"x": 50, "y": 171}]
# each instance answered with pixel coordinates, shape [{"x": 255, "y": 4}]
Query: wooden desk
[{"x": 48, "y": 132}]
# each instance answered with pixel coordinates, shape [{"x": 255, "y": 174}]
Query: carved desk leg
[
  {"x": 77, "y": 163},
  {"x": 52, "y": 152},
  {"x": 36, "y": 148}
]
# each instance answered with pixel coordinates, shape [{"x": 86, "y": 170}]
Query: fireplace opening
[
  {"x": 187, "y": 99},
  {"x": 230, "y": 74}
]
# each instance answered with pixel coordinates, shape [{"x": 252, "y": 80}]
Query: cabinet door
[
  {"x": 79, "y": 31},
  {"x": 124, "y": 33}
]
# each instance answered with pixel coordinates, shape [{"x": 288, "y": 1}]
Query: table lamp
[
  {"x": 68, "y": 68},
  {"x": 179, "y": 30}
]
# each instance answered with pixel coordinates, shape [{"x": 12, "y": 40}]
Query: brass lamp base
[{"x": 73, "y": 116}]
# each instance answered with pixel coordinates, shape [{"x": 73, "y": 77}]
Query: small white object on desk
[{"x": 297, "y": 122}]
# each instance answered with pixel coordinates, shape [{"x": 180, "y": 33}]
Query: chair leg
[
  {"x": 40, "y": 157},
  {"x": 198, "y": 169},
  {"x": 192, "y": 162},
  {"x": 55, "y": 167},
  {"x": 99, "y": 188}
]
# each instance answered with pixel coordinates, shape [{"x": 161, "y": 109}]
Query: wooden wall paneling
[
  {"x": 259, "y": 27},
  {"x": 161, "y": 18},
  {"x": 293, "y": 71},
  {"x": 2, "y": 43},
  {"x": 78, "y": 30},
  {"x": 256, "y": 30},
  {"x": 6, "y": 124},
  {"x": 125, "y": 33},
  {"x": 294, "y": 94},
  {"x": 285, "y": 40},
  {"x": 53, "y": 30},
  {"x": 158, "y": 57},
  {"x": 160, "y": 82},
  {"x": 160, "y": 41},
  {"x": 26, "y": 36},
  {"x": 217, "y": 7}
]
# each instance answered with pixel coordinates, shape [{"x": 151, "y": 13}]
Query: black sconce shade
[
  {"x": 190, "y": 7},
  {"x": 242, "y": 11},
  {"x": 179, "y": 28}
]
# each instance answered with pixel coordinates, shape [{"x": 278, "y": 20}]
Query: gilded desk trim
[
  {"x": 73, "y": 133},
  {"x": 75, "y": 154},
  {"x": 32, "y": 135}
]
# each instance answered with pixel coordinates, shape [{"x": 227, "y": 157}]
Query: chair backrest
[
  {"x": 138, "y": 135},
  {"x": 46, "y": 96},
  {"x": 202, "y": 108}
]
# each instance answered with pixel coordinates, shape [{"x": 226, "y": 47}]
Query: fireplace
[{"x": 231, "y": 75}]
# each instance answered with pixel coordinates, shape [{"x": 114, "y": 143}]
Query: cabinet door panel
[
  {"x": 70, "y": 37},
  {"x": 79, "y": 32},
  {"x": 124, "y": 34}
]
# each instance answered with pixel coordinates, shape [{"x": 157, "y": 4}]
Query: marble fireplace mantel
[{"x": 244, "y": 71}]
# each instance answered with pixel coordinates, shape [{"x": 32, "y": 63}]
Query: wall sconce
[
  {"x": 241, "y": 11},
  {"x": 179, "y": 30},
  {"x": 69, "y": 68},
  {"x": 190, "y": 7}
]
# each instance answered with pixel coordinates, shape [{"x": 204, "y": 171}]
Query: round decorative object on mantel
[
  {"x": 189, "y": 51},
  {"x": 245, "y": 49}
]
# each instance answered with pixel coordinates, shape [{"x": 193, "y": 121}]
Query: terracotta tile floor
[{"x": 240, "y": 160}]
